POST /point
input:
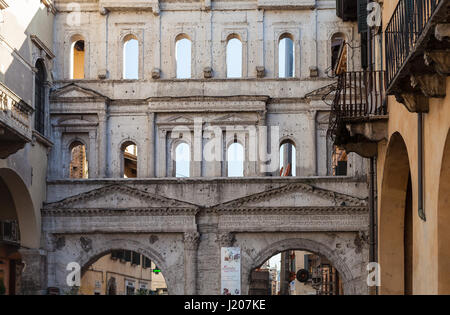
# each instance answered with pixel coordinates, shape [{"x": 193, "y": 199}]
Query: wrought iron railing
[
  {"x": 359, "y": 96},
  {"x": 407, "y": 23}
]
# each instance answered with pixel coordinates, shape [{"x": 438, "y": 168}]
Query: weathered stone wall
[{"x": 182, "y": 223}]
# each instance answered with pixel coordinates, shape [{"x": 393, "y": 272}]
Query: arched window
[
  {"x": 39, "y": 97},
  {"x": 131, "y": 58},
  {"x": 337, "y": 41},
  {"x": 183, "y": 54},
  {"x": 182, "y": 160},
  {"x": 288, "y": 163},
  {"x": 234, "y": 58},
  {"x": 129, "y": 160},
  {"x": 235, "y": 160},
  {"x": 286, "y": 56},
  {"x": 77, "y": 56},
  {"x": 78, "y": 161}
]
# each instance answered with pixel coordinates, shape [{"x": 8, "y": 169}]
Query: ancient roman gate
[{"x": 181, "y": 223}]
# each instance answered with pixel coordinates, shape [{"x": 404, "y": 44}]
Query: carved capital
[
  {"x": 415, "y": 103},
  {"x": 431, "y": 85},
  {"x": 191, "y": 240},
  {"x": 225, "y": 239}
]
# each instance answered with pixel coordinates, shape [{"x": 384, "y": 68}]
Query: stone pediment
[
  {"x": 119, "y": 197},
  {"x": 293, "y": 196},
  {"x": 232, "y": 119},
  {"x": 74, "y": 92},
  {"x": 180, "y": 119}
]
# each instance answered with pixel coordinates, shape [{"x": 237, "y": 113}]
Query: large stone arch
[
  {"x": 351, "y": 274},
  {"x": 29, "y": 219},
  {"x": 100, "y": 245},
  {"x": 443, "y": 218},
  {"x": 391, "y": 231}
]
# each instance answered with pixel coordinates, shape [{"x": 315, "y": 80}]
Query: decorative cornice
[
  {"x": 70, "y": 201},
  {"x": 95, "y": 212},
  {"x": 293, "y": 210},
  {"x": 40, "y": 44},
  {"x": 344, "y": 200}
]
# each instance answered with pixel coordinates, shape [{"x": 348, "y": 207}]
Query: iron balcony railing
[
  {"x": 360, "y": 95},
  {"x": 407, "y": 23}
]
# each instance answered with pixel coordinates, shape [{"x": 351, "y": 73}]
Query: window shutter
[
  {"x": 127, "y": 255},
  {"x": 136, "y": 259},
  {"x": 362, "y": 16}
]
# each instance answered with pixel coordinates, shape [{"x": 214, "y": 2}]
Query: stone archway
[
  {"x": 119, "y": 244},
  {"x": 28, "y": 218},
  {"x": 395, "y": 238},
  {"x": 348, "y": 277},
  {"x": 443, "y": 217}
]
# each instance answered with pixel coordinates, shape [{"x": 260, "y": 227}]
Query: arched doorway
[
  {"x": 18, "y": 228},
  {"x": 296, "y": 272},
  {"x": 122, "y": 272},
  {"x": 396, "y": 221},
  {"x": 443, "y": 221},
  {"x": 347, "y": 282}
]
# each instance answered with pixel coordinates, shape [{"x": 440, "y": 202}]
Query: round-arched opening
[
  {"x": 296, "y": 272},
  {"x": 19, "y": 227},
  {"x": 396, "y": 221},
  {"x": 131, "y": 58},
  {"x": 235, "y": 160},
  {"x": 77, "y": 57},
  {"x": 183, "y": 56},
  {"x": 234, "y": 57},
  {"x": 79, "y": 168},
  {"x": 338, "y": 50},
  {"x": 443, "y": 219},
  {"x": 286, "y": 56},
  {"x": 288, "y": 159},
  {"x": 129, "y": 156},
  {"x": 182, "y": 160},
  {"x": 122, "y": 272}
]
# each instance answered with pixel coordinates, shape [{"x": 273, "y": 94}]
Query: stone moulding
[
  {"x": 95, "y": 193},
  {"x": 265, "y": 195},
  {"x": 93, "y": 212}
]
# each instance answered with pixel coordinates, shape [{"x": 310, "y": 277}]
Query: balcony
[
  {"x": 358, "y": 118},
  {"x": 15, "y": 122},
  {"x": 418, "y": 52},
  {"x": 9, "y": 232}
]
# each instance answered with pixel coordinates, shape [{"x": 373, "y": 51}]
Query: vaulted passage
[
  {"x": 123, "y": 272},
  {"x": 112, "y": 228},
  {"x": 396, "y": 221}
]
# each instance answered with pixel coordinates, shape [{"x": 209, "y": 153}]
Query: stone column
[
  {"x": 191, "y": 240},
  {"x": 151, "y": 145},
  {"x": 34, "y": 273},
  {"x": 102, "y": 146},
  {"x": 162, "y": 143}
]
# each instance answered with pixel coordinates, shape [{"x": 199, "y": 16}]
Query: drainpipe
[
  {"x": 420, "y": 164},
  {"x": 372, "y": 212}
]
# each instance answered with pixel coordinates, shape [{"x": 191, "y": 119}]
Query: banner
[{"x": 230, "y": 270}]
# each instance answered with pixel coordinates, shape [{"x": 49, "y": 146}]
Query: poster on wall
[{"x": 230, "y": 270}]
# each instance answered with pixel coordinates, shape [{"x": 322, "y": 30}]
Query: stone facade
[{"x": 181, "y": 223}]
